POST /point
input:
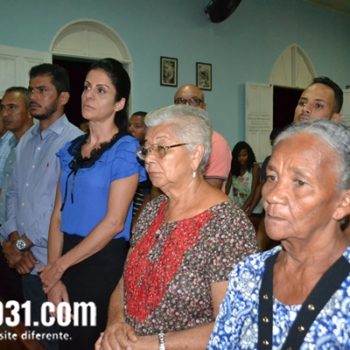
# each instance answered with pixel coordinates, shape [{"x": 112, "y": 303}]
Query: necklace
[{"x": 313, "y": 304}]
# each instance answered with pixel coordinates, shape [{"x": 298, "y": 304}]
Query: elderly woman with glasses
[
  {"x": 183, "y": 245},
  {"x": 297, "y": 295}
]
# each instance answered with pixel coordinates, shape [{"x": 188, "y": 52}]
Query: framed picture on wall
[
  {"x": 203, "y": 76},
  {"x": 168, "y": 71}
]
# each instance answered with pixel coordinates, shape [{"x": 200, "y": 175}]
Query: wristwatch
[{"x": 21, "y": 244}]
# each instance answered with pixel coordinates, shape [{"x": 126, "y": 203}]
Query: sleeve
[
  {"x": 62, "y": 153},
  {"x": 233, "y": 239},
  {"x": 125, "y": 162},
  {"x": 11, "y": 204},
  {"x": 37, "y": 231},
  {"x": 219, "y": 163},
  {"x": 224, "y": 327},
  {"x": 38, "y": 227}
]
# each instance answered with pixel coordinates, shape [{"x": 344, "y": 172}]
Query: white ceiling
[{"x": 337, "y": 5}]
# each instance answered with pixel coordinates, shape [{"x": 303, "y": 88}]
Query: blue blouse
[
  {"x": 236, "y": 326},
  {"x": 86, "y": 203}
]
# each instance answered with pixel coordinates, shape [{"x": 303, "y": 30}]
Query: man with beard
[
  {"x": 30, "y": 197},
  {"x": 322, "y": 99}
]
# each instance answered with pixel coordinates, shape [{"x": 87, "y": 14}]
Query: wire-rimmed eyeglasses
[
  {"x": 193, "y": 101},
  {"x": 159, "y": 150}
]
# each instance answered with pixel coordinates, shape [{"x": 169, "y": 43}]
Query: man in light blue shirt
[
  {"x": 5, "y": 136},
  {"x": 17, "y": 120},
  {"x": 30, "y": 197},
  {"x": 5, "y": 149}
]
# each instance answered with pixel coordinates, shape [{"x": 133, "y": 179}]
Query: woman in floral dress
[{"x": 183, "y": 245}]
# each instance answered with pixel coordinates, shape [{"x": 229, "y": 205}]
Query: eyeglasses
[
  {"x": 159, "y": 150},
  {"x": 193, "y": 101}
]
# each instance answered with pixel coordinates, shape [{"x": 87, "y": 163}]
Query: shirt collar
[
  {"x": 57, "y": 127},
  {"x": 6, "y": 137},
  {"x": 13, "y": 141}
]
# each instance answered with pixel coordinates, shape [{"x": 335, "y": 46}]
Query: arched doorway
[
  {"x": 293, "y": 68},
  {"x": 290, "y": 74},
  {"x": 79, "y": 43}
]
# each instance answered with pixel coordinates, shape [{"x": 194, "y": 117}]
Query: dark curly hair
[{"x": 235, "y": 166}]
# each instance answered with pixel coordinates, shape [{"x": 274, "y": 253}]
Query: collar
[
  {"x": 6, "y": 137},
  {"x": 57, "y": 127},
  {"x": 13, "y": 141}
]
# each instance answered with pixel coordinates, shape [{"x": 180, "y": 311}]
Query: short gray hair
[
  {"x": 336, "y": 135},
  {"x": 190, "y": 124}
]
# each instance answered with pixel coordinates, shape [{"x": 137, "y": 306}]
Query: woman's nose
[{"x": 274, "y": 192}]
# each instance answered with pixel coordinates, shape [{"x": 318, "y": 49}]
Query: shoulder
[
  {"x": 28, "y": 136},
  {"x": 253, "y": 265},
  {"x": 218, "y": 141},
  {"x": 67, "y": 148},
  {"x": 70, "y": 129},
  {"x": 346, "y": 254},
  {"x": 227, "y": 211},
  {"x": 125, "y": 147},
  {"x": 155, "y": 204},
  {"x": 229, "y": 224},
  {"x": 152, "y": 207},
  {"x": 146, "y": 217},
  {"x": 127, "y": 141}
]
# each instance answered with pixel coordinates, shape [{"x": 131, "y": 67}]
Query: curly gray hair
[
  {"x": 336, "y": 135},
  {"x": 190, "y": 125}
]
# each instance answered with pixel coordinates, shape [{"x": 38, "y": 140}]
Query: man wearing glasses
[{"x": 219, "y": 163}]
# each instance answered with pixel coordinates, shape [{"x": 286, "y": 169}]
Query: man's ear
[
  {"x": 343, "y": 208},
  {"x": 337, "y": 117},
  {"x": 64, "y": 97}
]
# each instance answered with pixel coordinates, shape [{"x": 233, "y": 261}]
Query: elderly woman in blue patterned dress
[
  {"x": 301, "y": 289},
  {"x": 183, "y": 245}
]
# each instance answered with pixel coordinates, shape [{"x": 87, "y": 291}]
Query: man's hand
[
  {"x": 26, "y": 263},
  {"x": 11, "y": 253}
]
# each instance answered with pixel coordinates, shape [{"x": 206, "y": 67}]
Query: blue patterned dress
[{"x": 236, "y": 326}]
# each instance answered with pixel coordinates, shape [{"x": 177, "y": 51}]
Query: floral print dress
[
  {"x": 171, "y": 265},
  {"x": 236, "y": 327}
]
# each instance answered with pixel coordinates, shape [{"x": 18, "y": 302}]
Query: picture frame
[
  {"x": 168, "y": 71},
  {"x": 204, "y": 76}
]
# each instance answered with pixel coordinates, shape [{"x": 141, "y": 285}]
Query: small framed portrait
[
  {"x": 168, "y": 71},
  {"x": 203, "y": 76}
]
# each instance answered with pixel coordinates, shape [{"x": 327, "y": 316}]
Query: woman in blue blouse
[
  {"x": 90, "y": 224},
  {"x": 297, "y": 295}
]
